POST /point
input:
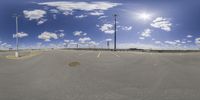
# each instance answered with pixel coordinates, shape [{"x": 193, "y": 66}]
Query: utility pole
[
  {"x": 108, "y": 44},
  {"x": 77, "y": 45},
  {"x": 17, "y": 40},
  {"x": 115, "y": 34}
]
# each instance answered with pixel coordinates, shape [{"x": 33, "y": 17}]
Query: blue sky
[{"x": 158, "y": 24}]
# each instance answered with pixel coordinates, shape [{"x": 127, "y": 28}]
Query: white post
[{"x": 17, "y": 53}]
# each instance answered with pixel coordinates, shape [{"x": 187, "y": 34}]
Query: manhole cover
[{"x": 74, "y": 64}]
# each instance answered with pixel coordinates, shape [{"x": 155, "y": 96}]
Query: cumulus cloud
[
  {"x": 81, "y": 16},
  {"x": 84, "y": 39},
  {"x": 55, "y": 11},
  {"x": 67, "y": 41},
  {"x": 34, "y": 14},
  {"x": 158, "y": 42},
  {"x": 84, "y": 34},
  {"x": 47, "y": 36},
  {"x": 107, "y": 28},
  {"x": 189, "y": 36},
  {"x": 109, "y": 39},
  {"x": 101, "y": 17},
  {"x": 67, "y": 7},
  {"x": 20, "y": 35},
  {"x": 93, "y": 43},
  {"x": 97, "y": 13},
  {"x": 146, "y": 33},
  {"x": 127, "y": 28},
  {"x": 162, "y": 23},
  {"x": 197, "y": 41},
  {"x": 141, "y": 38},
  {"x": 177, "y": 41},
  {"x": 61, "y": 35},
  {"x": 4, "y": 45},
  {"x": 78, "y": 33},
  {"x": 170, "y": 42},
  {"x": 41, "y": 21}
]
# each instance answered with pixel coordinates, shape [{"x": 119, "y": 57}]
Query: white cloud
[
  {"x": 20, "y": 35},
  {"x": 61, "y": 35},
  {"x": 68, "y": 13},
  {"x": 141, "y": 38},
  {"x": 60, "y": 31},
  {"x": 162, "y": 23},
  {"x": 5, "y": 45},
  {"x": 41, "y": 21},
  {"x": 69, "y": 6},
  {"x": 146, "y": 33},
  {"x": 97, "y": 13},
  {"x": 177, "y": 41},
  {"x": 67, "y": 41},
  {"x": 47, "y": 36},
  {"x": 170, "y": 42},
  {"x": 197, "y": 41},
  {"x": 84, "y": 40},
  {"x": 107, "y": 28},
  {"x": 109, "y": 39},
  {"x": 183, "y": 42},
  {"x": 158, "y": 42},
  {"x": 93, "y": 43},
  {"x": 55, "y": 11},
  {"x": 84, "y": 34},
  {"x": 81, "y": 16},
  {"x": 78, "y": 33},
  {"x": 101, "y": 17},
  {"x": 34, "y": 14},
  {"x": 189, "y": 36},
  {"x": 127, "y": 28}
]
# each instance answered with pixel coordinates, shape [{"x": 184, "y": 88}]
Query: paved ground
[{"x": 95, "y": 75}]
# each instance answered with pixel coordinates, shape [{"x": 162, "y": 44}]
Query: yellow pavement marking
[
  {"x": 115, "y": 54},
  {"x": 84, "y": 53},
  {"x": 99, "y": 54},
  {"x": 32, "y": 54}
]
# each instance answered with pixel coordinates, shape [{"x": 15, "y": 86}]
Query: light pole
[
  {"x": 77, "y": 45},
  {"x": 17, "y": 40},
  {"x": 108, "y": 44},
  {"x": 115, "y": 34}
]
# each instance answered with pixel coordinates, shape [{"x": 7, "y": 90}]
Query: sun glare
[{"x": 144, "y": 16}]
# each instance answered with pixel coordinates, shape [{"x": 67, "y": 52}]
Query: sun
[{"x": 144, "y": 16}]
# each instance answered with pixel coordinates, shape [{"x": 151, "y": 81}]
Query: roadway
[{"x": 101, "y": 75}]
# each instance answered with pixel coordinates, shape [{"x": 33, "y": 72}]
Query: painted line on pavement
[
  {"x": 32, "y": 54},
  {"x": 99, "y": 54},
  {"x": 84, "y": 53},
  {"x": 115, "y": 54}
]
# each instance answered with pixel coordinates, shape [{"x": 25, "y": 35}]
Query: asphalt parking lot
[{"x": 100, "y": 75}]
